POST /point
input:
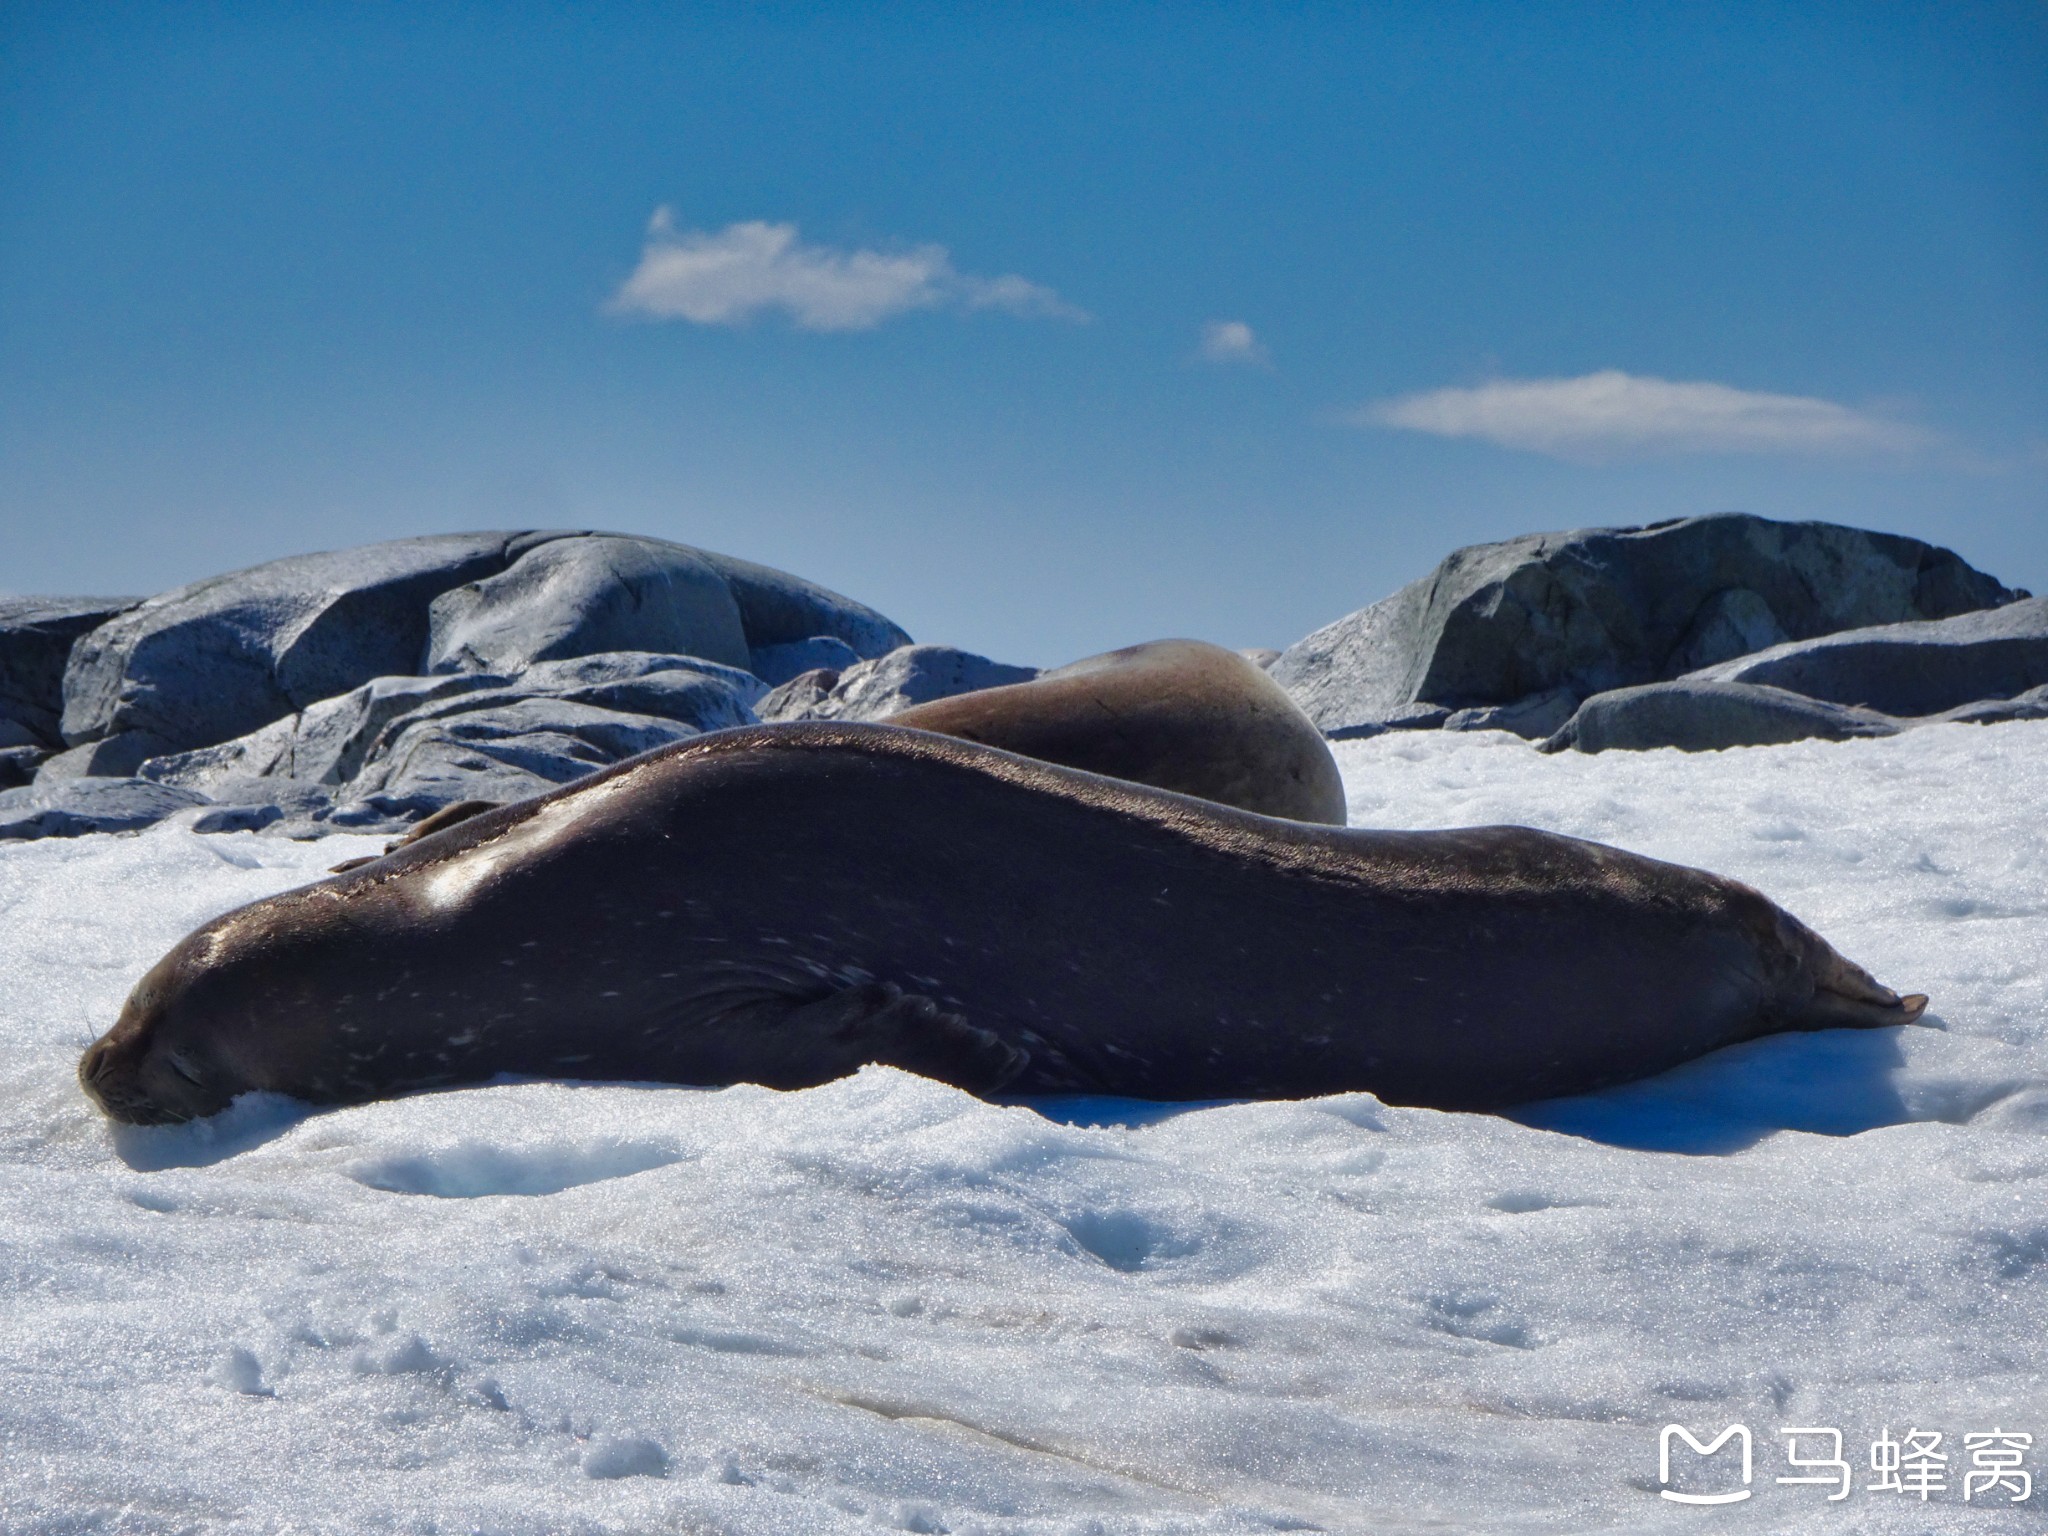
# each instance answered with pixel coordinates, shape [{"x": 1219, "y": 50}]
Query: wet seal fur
[
  {"x": 782, "y": 904},
  {"x": 1176, "y": 714}
]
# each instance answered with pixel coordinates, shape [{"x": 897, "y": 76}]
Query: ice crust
[{"x": 883, "y": 1304}]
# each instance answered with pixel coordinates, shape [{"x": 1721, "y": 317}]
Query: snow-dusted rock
[
  {"x": 874, "y": 690},
  {"x": 78, "y": 806},
  {"x": 36, "y": 636},
  {"x": 1911, "y": 669},
  {"x": 1598, "y": 609},
  {"x": 1697, "y": 715}
]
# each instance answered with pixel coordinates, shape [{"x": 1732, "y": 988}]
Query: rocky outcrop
[
  {"x": 76, "y": 807},
  {"x": 1580, "y": 613},
  {"x": 410, "y": 744},
  {"x": 1910, "y": 669},
  {"x": 36, "y": 636},
  {"x": 1978, "y": 668},
  {"x": 221, "y": 658},
  {"x": 877, "y": 689},
  {"x": 1702, "y": 716}
]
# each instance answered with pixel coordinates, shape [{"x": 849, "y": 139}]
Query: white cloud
[
  {"x": 728, "y": 277},
  {"x": 1232, "y": 341},
  {"x": 1610, "y": 413}
]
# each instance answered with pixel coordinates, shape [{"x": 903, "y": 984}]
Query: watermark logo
[
  {"x": 1913, "y": 1465},
  {"x": 1736, "y": 1432}
]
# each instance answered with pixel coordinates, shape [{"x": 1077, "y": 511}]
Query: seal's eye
[{"x": 184, "y": 1068}]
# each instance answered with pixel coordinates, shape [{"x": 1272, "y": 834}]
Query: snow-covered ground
[{"x": 883, "y": 1304}]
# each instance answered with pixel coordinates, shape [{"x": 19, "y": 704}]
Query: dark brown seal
[
  {"x": 781, "y": 904},
  {"x": 1176, "y": 714}
]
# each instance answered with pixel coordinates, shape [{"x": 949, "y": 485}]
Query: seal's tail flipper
[{"x": 1846, "y": 996}]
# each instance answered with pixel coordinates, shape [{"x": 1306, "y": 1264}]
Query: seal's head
[{"x": 170, "y": 1055}]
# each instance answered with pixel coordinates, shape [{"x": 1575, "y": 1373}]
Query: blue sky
[{"x": 1044, "y": 329}]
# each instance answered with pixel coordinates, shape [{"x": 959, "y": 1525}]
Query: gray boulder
[
  {"x": 874, "y": 690},
  {"x": 778, "y": 609},
  {"x": 521, "y": 747},
  {"x": 575, "y": 597},
  {"x": 1696, "y": 715},
  {"x": 1600, "y": 609},
  {"x": 36, "y": 636},
  {"x": 1535, "y": 717},
  {"x": 222, "y": 658},
  {"x": 795, "y": 699},
  {"x": 18, "y": 765},
  {"x": 2031, "y": 705},
  {"x": 78, "y": 806},
  {"x": 1911, "y": 669}
]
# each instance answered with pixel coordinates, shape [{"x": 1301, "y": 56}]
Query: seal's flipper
[
  {"x": 441, "y": 820},
  {"x": 447, "y": 816},
  {"x": 880, "y": 1023}
]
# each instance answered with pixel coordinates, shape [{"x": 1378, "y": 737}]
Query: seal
[
  {"x": 783, "y": 904},
  {"x": 1176, "y": 714}
]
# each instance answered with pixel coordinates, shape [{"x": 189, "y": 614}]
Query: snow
[{"x": 883, "y": 1304}]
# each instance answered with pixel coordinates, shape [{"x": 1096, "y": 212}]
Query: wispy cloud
[
  {"x": 729, "y": 276},
  {"x": 1611, "y": 413},
  {"x": 1232, "y": 341}
]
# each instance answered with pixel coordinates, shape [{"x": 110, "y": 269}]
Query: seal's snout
[{"x": 107, "y": 1072}]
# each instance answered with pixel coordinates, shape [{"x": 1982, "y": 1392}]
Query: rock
[
  {"x": 1537, "y": 716},
  {"x": 327, "y": 743},
  {"x": 574, "y": 597},
  {"x": 348, "y": 741},
  {"x": 1696, "y": 715},
  {"x": 795, "y": 699},
  {"x": 1409, "y": 717},
  {"x": 1733, "y": 622},
  {"x": 1260, "y": 655},
  {"x": 2031, "y": 705},
  {"x": 18, "y": 765},
  {"x": 698, "y": 693},
  {"x": 220, "y": 659},
  {"x": 910, "y": 674},
  {"x": 1911, "y": 669},
  {"x": 1601, "y": 609},
  {"x": 36, "y": 636},
  {"x": 79, "y": 806},
  {"x": 118, "y": 757},
  {"x": 779, "y": 664},
  {"x": 14, "y": 736},
  {"x": 522, "y": 747},
  {"x": 778, "y": 609}
]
